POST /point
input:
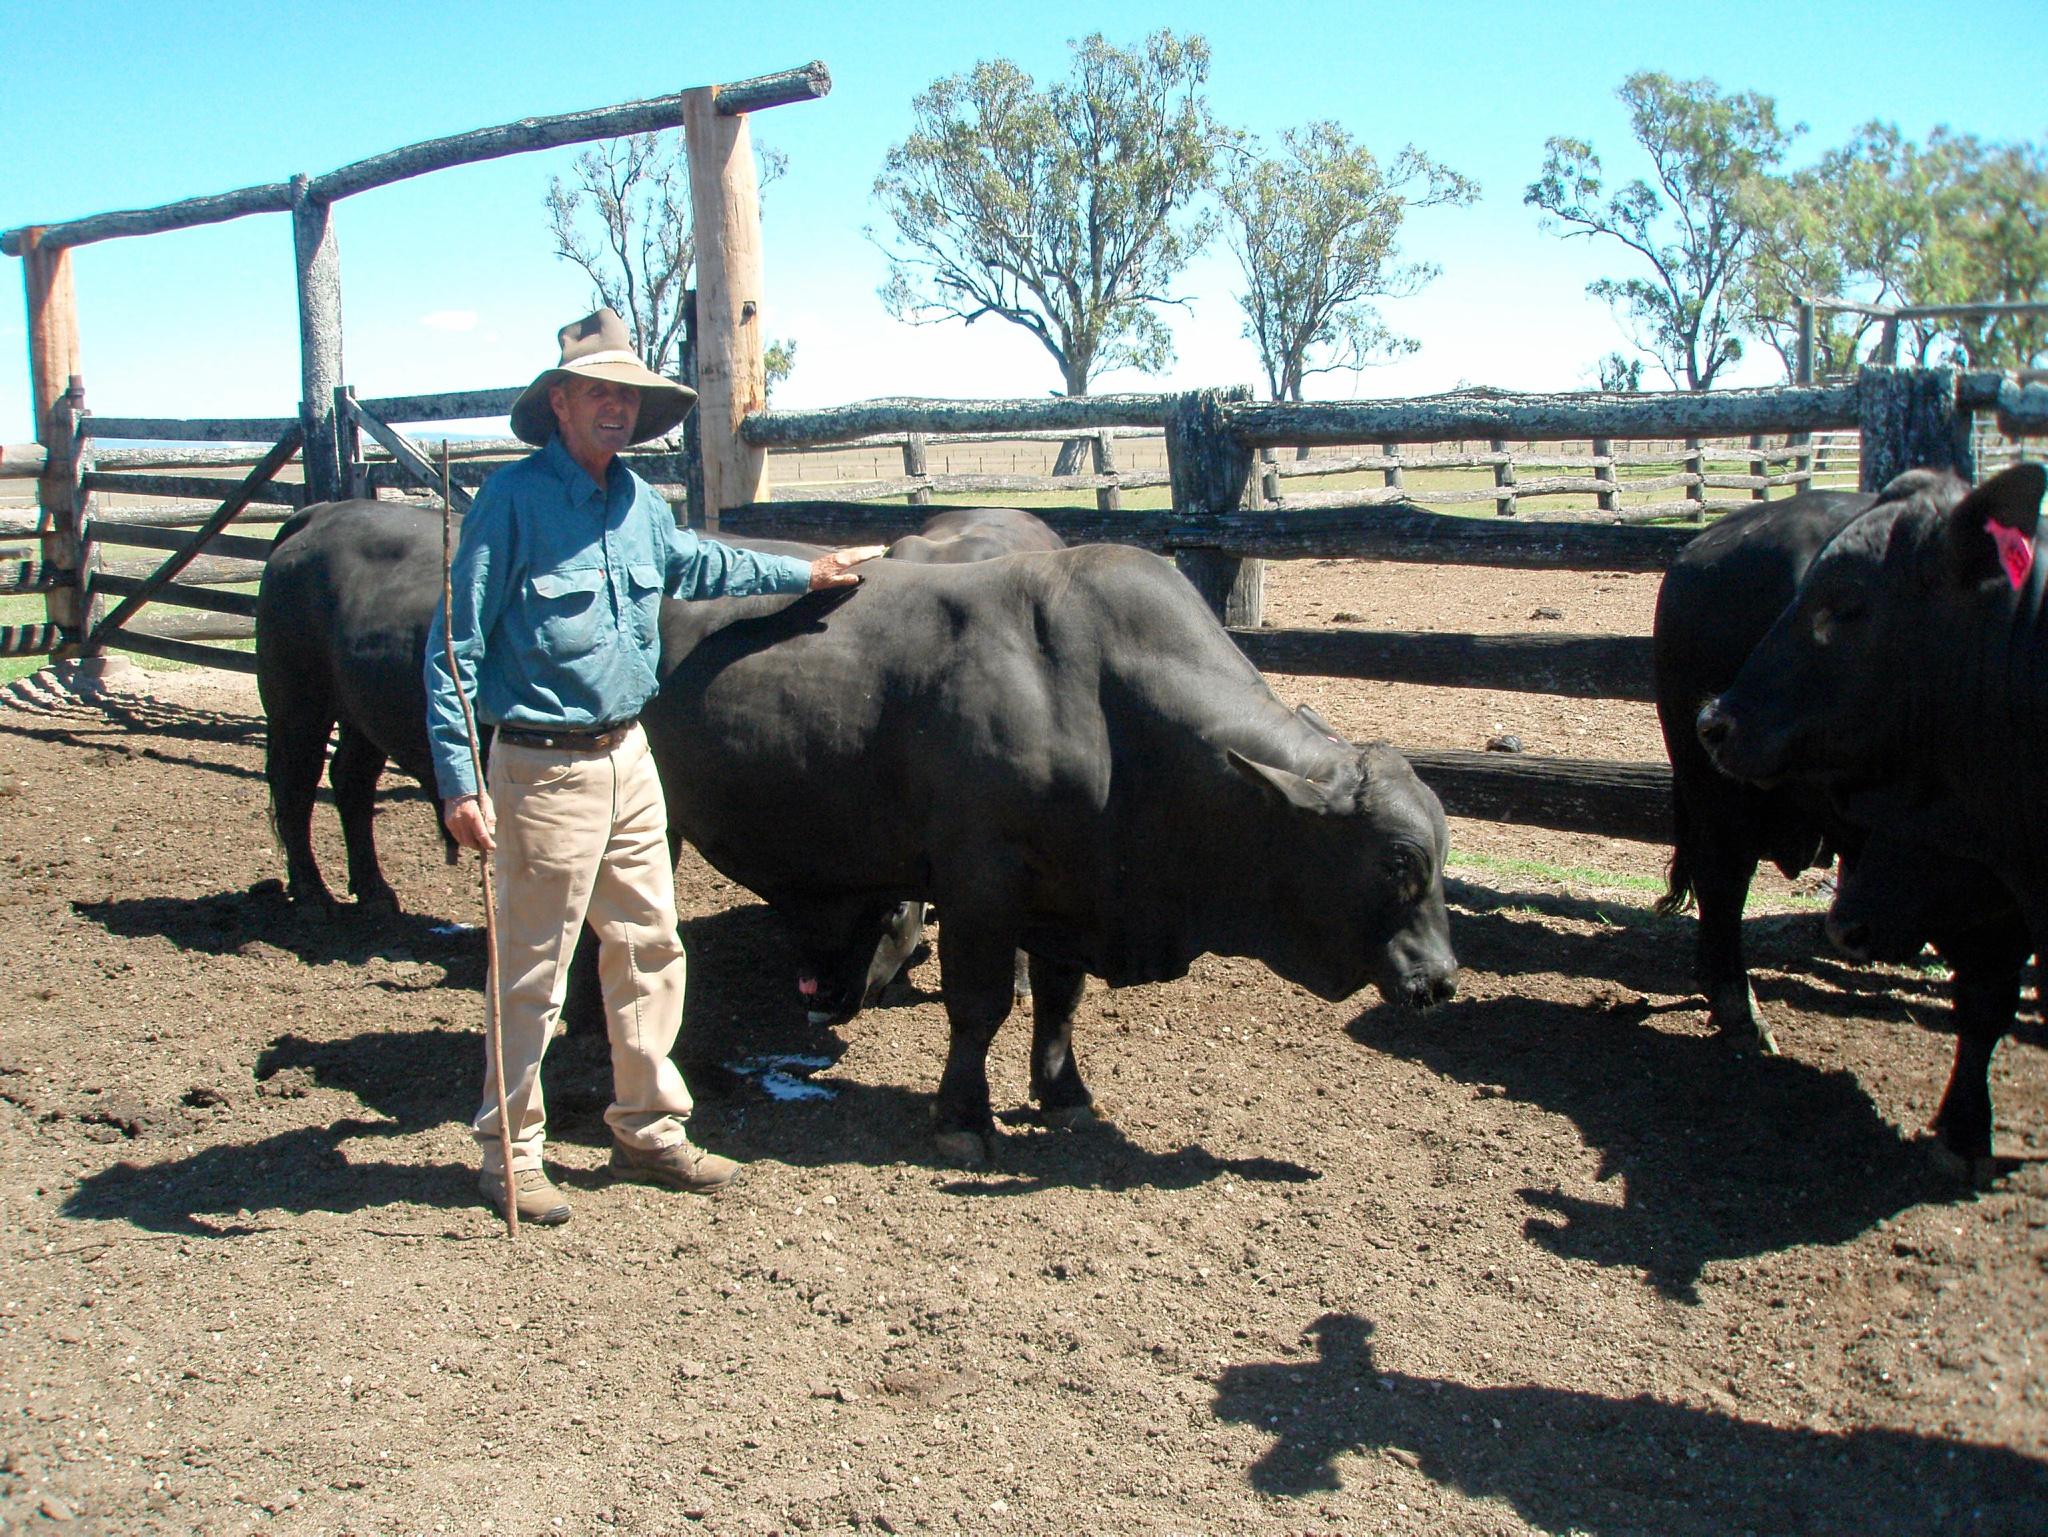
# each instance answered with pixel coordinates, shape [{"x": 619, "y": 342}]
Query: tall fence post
[
  {"x": 1607, "y": 497},
  {"x": 732, "y": 366},
  {"x": 1909, "y": 418},
  {"x": 914, "y": 464},
  {"x": 54, "y": 393},
  {"x": 1391, "y": 476},
  {"x": 693, "y": 426},
  {"x": 1107, "y": 498},
  {"x": 1696, "y": 479},
  {"x": 62, "y": 542},
  {"x": 1503, "y": 476},
  {"x": 320, "y": 367},
  {"x": 1208, "y": 465},
  {"x": 1759, "y": 468}
]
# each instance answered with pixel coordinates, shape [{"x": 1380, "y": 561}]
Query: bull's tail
[{"x": 1678, "y": 889}]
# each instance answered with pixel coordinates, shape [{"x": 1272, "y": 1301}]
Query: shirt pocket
[
  {"x": 569, "y": 611},
  {"x": 644, "y": 582}
]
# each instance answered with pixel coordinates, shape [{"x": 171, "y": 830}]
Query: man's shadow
[
  {"x": 405, "y": 1081},
  {"x": 1574, "y": 1461}
]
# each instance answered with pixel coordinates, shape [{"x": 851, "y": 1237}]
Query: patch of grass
[
  {"x": 1621, "y": 880},
  {"x": 1579, "y": 875}
]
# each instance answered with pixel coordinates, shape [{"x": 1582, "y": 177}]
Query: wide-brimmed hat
[{"x": 599, "y": 347}]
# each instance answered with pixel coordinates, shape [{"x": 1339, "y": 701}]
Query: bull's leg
[
  {"x": 1055, "y": 1074},
  {"x": 975, "y": 974},
  {"x": 357, "y": 763},
  {"x": 295, "y": 751},
  {"x": 1987, "y": 994},
  {"x": 1721, "y": 880}
]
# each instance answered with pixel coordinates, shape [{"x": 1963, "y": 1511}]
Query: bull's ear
[
  {"x": 1314, "y": 718},
  {"x": 1991, "y": 531},
  {"x": 1289, "y": 786}
]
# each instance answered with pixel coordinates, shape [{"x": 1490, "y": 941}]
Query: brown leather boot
[
  {"x": 539, "y": 1201},
  {"x": 683, "y": 1166}
]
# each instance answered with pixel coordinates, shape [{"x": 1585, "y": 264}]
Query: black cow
[
  {"x": 1914, "y": 653},
  {"x": 952, "y": 538},
  {"x": 1905, "y": 678},
  {"x": 1068, "y": 754},
  {"x": 1899, "y": 892},
  {"x": 341, "y": 629},
  {"x": 1720, "y": 595}
]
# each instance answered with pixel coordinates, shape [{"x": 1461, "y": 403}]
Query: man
[{"x": 557, "y": 585}]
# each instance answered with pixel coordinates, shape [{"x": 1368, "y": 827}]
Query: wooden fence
[
  {"x": 1224, "y": 519},
  {"x": 1221, "y": 522}
]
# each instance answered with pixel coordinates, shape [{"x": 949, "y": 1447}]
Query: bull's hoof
[
  {"x": 1746, "y": 1036},
  {"x": 970, "y": 1149},
  {"x": 315, "y": 902},
  {"x": 381, "y": 903},
  {"x": 1069, "y": 1117},
  {"x": 1977, "y": 1171}
]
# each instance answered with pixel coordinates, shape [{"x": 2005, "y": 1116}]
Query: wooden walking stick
[{"x": 476, "y": 763}]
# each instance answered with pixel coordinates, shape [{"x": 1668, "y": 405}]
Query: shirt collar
[{"x": 576, "y": 479}]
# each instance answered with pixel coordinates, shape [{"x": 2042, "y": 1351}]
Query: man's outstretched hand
[{"x": 836, "y": 569}]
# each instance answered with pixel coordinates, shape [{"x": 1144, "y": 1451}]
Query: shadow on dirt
[
  {"x": 743, "y": 1009},
  {"x": 242, "y": 922},
  {"x": 1634, "y": 947},
  {"x": 1718, "y": 1156},
  {"x": 1570, "y": 1461},
  {"x": 60, "y": 718},
  {"x": 407, "y": 1080}
]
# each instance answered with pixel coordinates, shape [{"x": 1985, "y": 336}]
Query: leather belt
[{"x": 569, "y": 738}]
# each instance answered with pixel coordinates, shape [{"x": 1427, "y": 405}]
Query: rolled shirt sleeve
[{"x": 705, "y": 568}]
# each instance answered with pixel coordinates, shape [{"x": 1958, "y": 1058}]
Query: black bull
[
  {"x": 1067, "y": 753},
  {"x": 1078, "y": 760}
]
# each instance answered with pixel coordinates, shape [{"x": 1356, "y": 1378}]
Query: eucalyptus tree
[
  {"x": 1316, "y": 230},
  {"x": 1067, "y": 210},
  {"x": 1693, "y": 222},
  {"x": 1985, "y": 242},
  {"x": 1887, "y": 222},
  {"x": 624, "y": 218}
]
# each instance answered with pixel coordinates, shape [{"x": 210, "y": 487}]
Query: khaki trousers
[{"x": 585, "y": 834}]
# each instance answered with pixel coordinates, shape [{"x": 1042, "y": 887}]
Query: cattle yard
[{"x": 1548, "y": 1258}]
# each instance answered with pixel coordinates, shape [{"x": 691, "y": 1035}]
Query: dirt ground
[{"x": 1546, "y": 1259}]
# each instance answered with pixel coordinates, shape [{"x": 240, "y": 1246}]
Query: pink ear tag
[{"x": 2015, "y": 551}]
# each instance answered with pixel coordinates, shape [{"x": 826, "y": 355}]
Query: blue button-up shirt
[{"x": 556, "y": 593}]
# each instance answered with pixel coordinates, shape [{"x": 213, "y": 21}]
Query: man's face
[{"x": 594, "y": 416}]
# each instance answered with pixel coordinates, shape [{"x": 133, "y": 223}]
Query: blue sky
[{"x": 449, "y": 281}]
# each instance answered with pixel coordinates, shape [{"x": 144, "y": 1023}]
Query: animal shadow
[
  {"x": 742, "y": 1007},
  {"x": 1712, "y": 1155},
  {"x": 1580, "y": 1462}
]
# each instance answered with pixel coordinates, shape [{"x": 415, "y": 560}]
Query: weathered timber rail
[{"x": 1223, "y": 522}]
